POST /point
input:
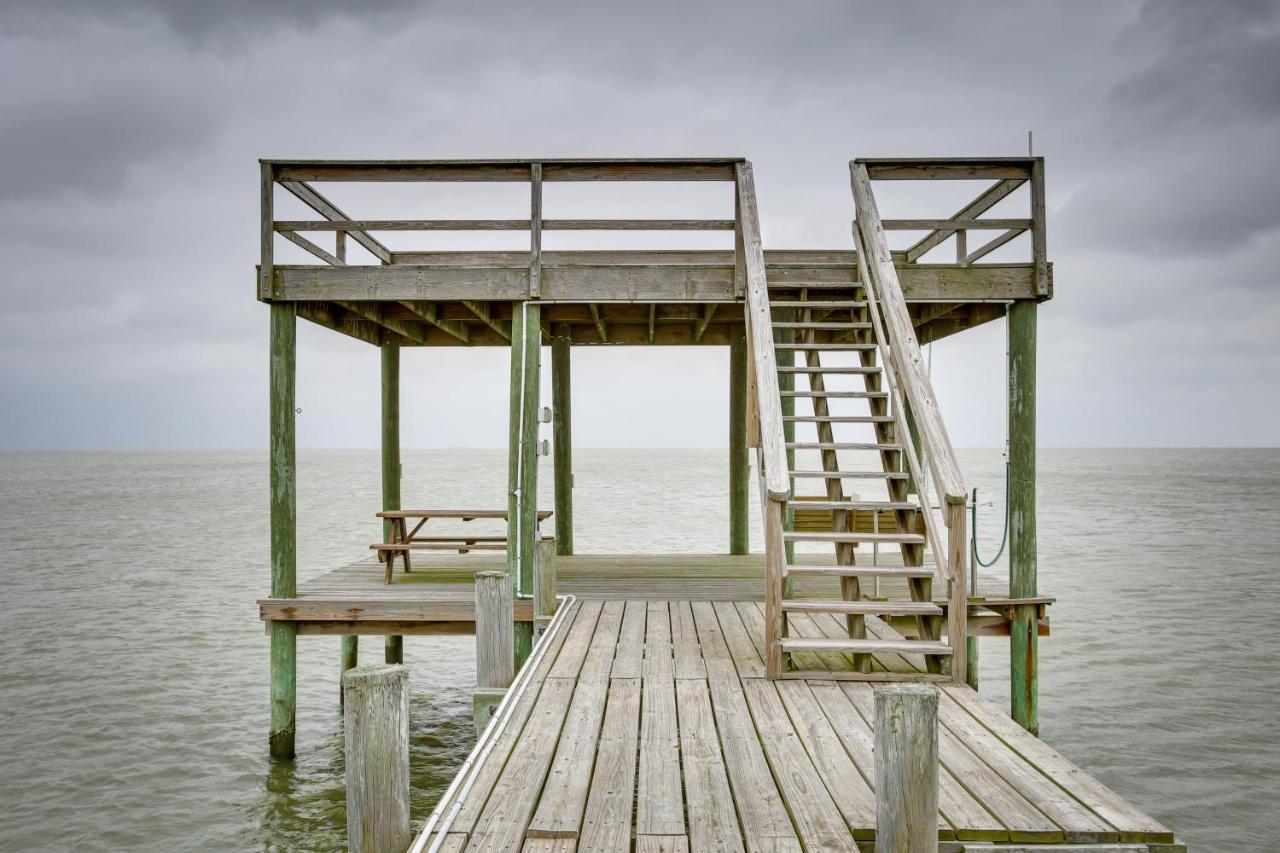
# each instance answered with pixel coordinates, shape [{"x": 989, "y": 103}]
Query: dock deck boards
[{"x": 662, "y": 730}]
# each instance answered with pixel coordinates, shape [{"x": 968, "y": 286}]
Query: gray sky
[{"x": 128, "y": 196}]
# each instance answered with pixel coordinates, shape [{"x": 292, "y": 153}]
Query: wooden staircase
[{"x": 859, "y": 423}]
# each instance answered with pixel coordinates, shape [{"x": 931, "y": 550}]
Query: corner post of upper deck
[
  {"x": 284, "y": 543},
  {"x": 1023, "y": 642},
  {"x": 562, "y": 437},
  {"x": 739, "y": 460}
]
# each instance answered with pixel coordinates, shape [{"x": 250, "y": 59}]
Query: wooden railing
[
  {"x": 298, "y": 176},
  {"x": 1008, "y": 174},
  {"x": 764, "y": 407},
  {"x": 936, "y": 468}
]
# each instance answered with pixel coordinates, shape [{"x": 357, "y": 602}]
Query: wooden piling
[
  {"x": 971, "y": 662},
  {"x": 495, "y": 643},
  {"x": 284, "y": 526},
  {"x": 739, "y": 466},
  {"x": 522, "y": 526},
  {"x": 906, "y": 768},
  {"x": 391, "y": 462},
  {"x": 1023, "y": 652},
  {"x": 562, "y": 438},
  {"x": 544, "y": 586},
  {"x": 376, "y": 727},
  {"x": 348, "y": 656}
]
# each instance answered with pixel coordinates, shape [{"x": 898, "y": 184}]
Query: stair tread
[
  {"x": 840, "y": 445},
  {"x": 852, "y": 536},
  {"x": 832, "y": 347},
  {"x": 853, "y": 370},
  {"x": 814, "y": 285},
  {"x": 864, "y": 607},
  {"x": 840, "y": 419},
  {"x": 837, "y": 394},
  {"x": 821, "y": 324},
  {"x": 819, "y": 303},
  {"x": 824, "y": 644},
  {"x": 853, "y": 475},
  {"x": 850, "y": 505},
  {"x": 860, "y": 571}
]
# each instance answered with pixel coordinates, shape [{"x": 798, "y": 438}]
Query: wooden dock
[
  {"x": 437, "y": 596},
  {"x": 650, "y": 725}
]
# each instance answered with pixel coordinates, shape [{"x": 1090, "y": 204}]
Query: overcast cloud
[{"x": 128, "y": 197}]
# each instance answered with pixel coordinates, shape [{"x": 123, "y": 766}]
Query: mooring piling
[{"x": 376, "y": 725}]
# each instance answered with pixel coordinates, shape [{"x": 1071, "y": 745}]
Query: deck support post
[
  {"x": 348, "y": 654},
  {"x": 284, "y": 526},
  {"x": 394, "y": 652},
  {"x": 906, "y": 768},
  {"x": 544, "y": 587},
  {"x": 562, "y": 438},
  {"x": 739, "y": 465},
  {"x": 495, "y": 645},
  {"x": 971, "y": 662},
  {"x": 522, "y": 471},
  {"x": 376, "y": 733},
  {"x": 1023, "y": 652}
]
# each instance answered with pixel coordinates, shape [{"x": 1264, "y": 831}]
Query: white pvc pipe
[{"x": 458, "y": 789}]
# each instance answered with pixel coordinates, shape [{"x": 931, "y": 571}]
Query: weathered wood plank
[
  {"x": 818, "y": 823},
  {"x": 628, "y": 659},
  {"x": 746, "y": 658},
  {"x": 713, "y": 821},
  {"x": 685, "y": 648},
  {"x": 659, "y": 802},
  {"x": 606, "y": 825}
]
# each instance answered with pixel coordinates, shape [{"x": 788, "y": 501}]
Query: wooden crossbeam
[
  {"x": 333, "y": 317},
  {"x": 373, "y": 312},
  {"x": 989, "y": 247},
  {"x": 599, "y": 321},
  {"x": 330, "y": 211},
  {"x": 429, "y": 312},
  {"x": 482, "y": 311},
  {"x": 299, "y": 240},
  {"x": 708, "y": 311},
  {"x": 503, "y": 225},
  {"x": 980, "y": 205}
]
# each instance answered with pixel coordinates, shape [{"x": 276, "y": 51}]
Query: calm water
[{"x": 134, "y": 668}]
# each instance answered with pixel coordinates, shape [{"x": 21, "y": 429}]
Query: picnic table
[{"x": 403, "y": 540}]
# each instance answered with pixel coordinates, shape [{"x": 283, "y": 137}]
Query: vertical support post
[
  {"x": 535, "y": 230},
  {"x": 1024, "y": 701},
  {"x": 284, "y": 526},
  {"x": 348, "y": 653},
  {"x": 266, "y": 272},
  {"x": 958, "y": 589},
  {"x": 774, "y": 569},
  {"x": 522, "y": 469},
  {"x": 544, "y": 586},
  {"x": 913, "y": 488},
  {"x": 562, "y": 437},
  {"x": 971, "y": 662},
  {"x": 495, "y": 643},
  {"x": 394, "y": 652},
  {"x": 739, "y": 466},
  {"x": 376, "y": 733},
  {"x": 1039, "y": 246},
  {"x": 906, "y": 768}
]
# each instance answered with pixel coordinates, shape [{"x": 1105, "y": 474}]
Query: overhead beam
[
  {"x": 599, "y": 321},
  {"x": 718, "y": 169},
  {"x": 331, "y": 316},
  {"x": 431, "y": 313},
  {"x": 483, "y": 313},
  {"x": 283, "y": 225},
  {"x": 655, "y": 282},
  {"x": 374, "y": 314}
]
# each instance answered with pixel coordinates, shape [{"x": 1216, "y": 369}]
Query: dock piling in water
[
  {"x": 376, "y": 726},
  {"x": 906, "y": 768},
  {"x": 495, "y": 646},
  {"x": 391, "y": 463},
  {"x": 284, "y": 526}
]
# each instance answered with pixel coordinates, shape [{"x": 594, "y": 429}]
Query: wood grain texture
[
  {"x": 376, "y": 735},
  {"x": 906, "y": 760},
  {"x": 495, "y": 649}
]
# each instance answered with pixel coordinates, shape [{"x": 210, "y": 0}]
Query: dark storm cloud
[
  {"x": 90, "y": 145},
  {"x": 193, "y": 19}
]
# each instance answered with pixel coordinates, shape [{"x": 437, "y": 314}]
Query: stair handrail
[
  {"x": 911, "y": 370},
  {"x": 768, "y": 400}
]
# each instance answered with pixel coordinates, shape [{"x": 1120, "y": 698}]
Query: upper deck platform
[{"x": 627, "y": 296}]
